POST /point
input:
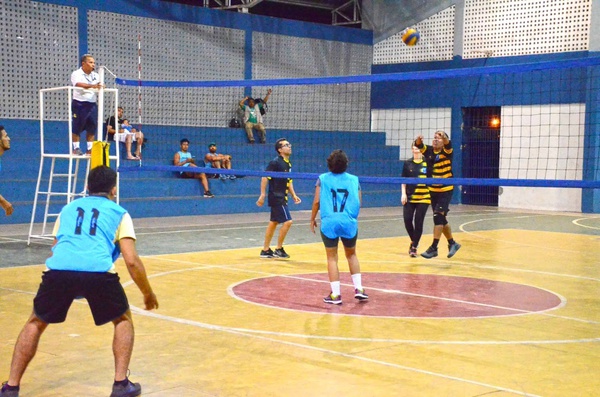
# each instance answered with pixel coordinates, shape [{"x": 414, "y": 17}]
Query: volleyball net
[{"x": 524, "y": 125}]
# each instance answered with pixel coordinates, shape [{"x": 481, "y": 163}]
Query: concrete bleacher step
[{"x": 159, "y": 193}]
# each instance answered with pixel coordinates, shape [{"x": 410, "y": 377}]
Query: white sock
[
  {"x": 335, "y": 288},
  {"x": 357, "y": 281},
  {"x": 75, "y": 145},
  {"x": 89, "y": 145}
]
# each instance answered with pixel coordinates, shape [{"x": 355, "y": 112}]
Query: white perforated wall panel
[
  {"x": 278, "y": 56},
  {"x": 523, "y": 27},
  {"x": 38, "y": 44},
  {"x": 436, "y": 43},
  {"x": 402, "y": 126},
  {"x": 343, "y": 107},
  {"x": 171, "y": 51}
]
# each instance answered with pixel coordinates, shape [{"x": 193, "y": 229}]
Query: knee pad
[{"x": 439, "y": 218}]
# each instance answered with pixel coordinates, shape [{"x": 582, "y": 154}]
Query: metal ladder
[
  {"x": 45, "y": 196},
  {"x": 73, "y": 169}
]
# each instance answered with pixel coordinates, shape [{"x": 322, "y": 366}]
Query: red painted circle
[{"x": 400, "y": 295}]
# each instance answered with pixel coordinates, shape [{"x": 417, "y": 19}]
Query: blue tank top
[
  {"x": 86, "y": 236},
  {"x": 339, "y": 204},
  {"x": 184, "y": 156}
]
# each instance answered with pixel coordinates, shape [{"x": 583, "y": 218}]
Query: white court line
[
  {"x": 328, "y": 351},
  {"x": 354, "y": 339},
  {"x": 563, "y": 301},
  {"x": 11, "y": 240},
  {"x": 241, "y": 268},
  {"x": 257, "y": 335},
  {"x": 208, "y": 228},
  {"x": 577, "y": 222},
  {"x": 476, "y": 234},
  {"x": 324, "y": 337}
]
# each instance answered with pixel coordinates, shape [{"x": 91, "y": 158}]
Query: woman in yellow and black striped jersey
[{"x": 439, "y": 157}]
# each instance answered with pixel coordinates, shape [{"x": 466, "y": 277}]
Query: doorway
[{"x": 481, "y": 153}]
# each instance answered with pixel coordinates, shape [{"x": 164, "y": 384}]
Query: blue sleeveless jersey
[
  {"x": 86, "y": 236},
  {"x": 339, "y": 204}
]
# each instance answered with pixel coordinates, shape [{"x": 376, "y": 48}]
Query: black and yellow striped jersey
[
  {"x": 440, "y": 165},
  {"x": 416, "y": 193}
]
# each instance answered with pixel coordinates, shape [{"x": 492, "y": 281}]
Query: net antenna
[
  {"x": 114, "y": 102},
  {"x": 139, "y": 42}
]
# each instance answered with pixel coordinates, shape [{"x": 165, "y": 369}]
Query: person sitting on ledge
[
  {"x": 183, "y": 158},
  {"x": 125, "y": 134},
  {"x": 212, "y": 159}
]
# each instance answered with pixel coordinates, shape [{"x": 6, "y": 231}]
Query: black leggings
[{"x": 414, "y": 213}]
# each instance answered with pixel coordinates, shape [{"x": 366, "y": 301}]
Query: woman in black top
[{"x": 415, "y": 199}]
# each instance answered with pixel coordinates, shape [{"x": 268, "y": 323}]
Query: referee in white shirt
[{"x": 84, "y": 107}]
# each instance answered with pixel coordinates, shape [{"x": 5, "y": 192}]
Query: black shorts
[
  {"x": 59, "y": 288},
  {"x": 440, "y": 201},
  {"x": 280, "y": 214},
  {"x": 85, "y": 117},
  {"x": 333, "y": 242}
]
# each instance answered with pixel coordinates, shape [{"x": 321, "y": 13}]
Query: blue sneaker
[
  {"x": 129, "y": 390},
  {"x": 453, "y": 249},
  {"x": 430, "y": 253},
  {"x": 332, "y": 299}
]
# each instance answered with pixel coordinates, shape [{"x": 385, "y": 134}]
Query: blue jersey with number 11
[
  {"x": 339, "y": 204},
  {"x": 86, "y": 236}
]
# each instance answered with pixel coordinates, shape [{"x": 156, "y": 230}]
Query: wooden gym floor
[{"x": 515, "y": 313}]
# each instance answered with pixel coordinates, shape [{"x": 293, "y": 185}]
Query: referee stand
[{"x": 65, "y": 170}]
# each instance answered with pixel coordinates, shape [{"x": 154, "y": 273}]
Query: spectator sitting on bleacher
[
  {"x": 125, "y": 134},
  {"x": 212, "y": 159},
  {"x": 183, "y": 158}
]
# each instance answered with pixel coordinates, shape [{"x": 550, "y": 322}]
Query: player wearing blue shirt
[
  {"x": 338, "y": 197},
  {"x": 184, "y": 158},
  {"x": 89, "y": 234}
]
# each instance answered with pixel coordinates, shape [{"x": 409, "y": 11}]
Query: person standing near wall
[
  {"x": 4, "y": 146},
  {"x": 338, "y": 197},
  {"x": 253, "y": 117},
  {"x": 439, "y": 158},
  {"x": 415, "y": 199},
  {"x": 84, "y": 106},
  {"x": 89, "y": 235},
  {"x": 278, "y": 198}
]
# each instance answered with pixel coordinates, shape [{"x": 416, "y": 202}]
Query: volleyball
[{"x": 410, "y": 36}]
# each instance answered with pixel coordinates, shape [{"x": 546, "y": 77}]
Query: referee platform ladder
[{"x": 62, "y": 177}]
